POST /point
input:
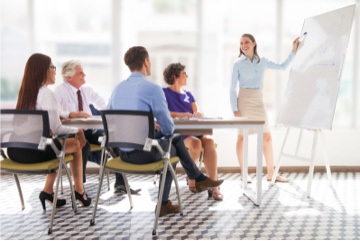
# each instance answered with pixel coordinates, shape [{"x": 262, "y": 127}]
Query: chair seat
[
  {"x": 50, "y": 166},
  {"x": 118, "y": 165},
  {"x": 94, "y": 147}
]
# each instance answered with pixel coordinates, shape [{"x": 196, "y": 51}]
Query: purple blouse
[{"x": 179, "y": 102}]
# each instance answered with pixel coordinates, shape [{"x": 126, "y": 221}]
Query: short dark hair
[
  {"x": 173, "y": 71},
  {"x": 135, "y": 56}
]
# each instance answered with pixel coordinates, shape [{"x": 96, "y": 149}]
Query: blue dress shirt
[
  {"x": 138, "y": 93},
  {"x": 249, "y": 75}
]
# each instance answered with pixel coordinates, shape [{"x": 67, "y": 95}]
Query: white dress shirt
[{"x": 68, "y": 101}]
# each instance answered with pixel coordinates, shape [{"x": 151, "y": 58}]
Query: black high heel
[
  {"x": 44, "y": 196},
  {"x": 80, "y": 197}
]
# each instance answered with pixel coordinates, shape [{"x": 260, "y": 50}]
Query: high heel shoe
[
  {"x": 84, "y": 202},
  {"x": 278, "y": 179},
  {"x": 215, "y": 194},
  {"x": 50, "y": 199},
  {"x": 191, "y": 188}
]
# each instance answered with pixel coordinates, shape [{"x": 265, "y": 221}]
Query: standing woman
[
  {"x": 34, "y": 94},
  {"x": 247, "y": 73}
]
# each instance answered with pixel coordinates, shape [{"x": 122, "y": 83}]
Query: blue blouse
[{"x": 249, "y": 75}]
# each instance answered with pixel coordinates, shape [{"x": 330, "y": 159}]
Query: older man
[{"x": 74, "y": 97}]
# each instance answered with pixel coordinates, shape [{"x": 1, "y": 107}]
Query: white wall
[{"x": 343, "y": 147}]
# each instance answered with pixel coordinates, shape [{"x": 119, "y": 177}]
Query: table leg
[
  {"x": 256, "y": 199},
  {"x": 245, "y": 158},
  {"x": 260, "y": 138}
]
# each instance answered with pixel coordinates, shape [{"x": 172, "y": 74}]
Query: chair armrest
[
  {"x": 61, "y": 137},
  {"x": 64, "y": 136},
  {"x": 3, "y": 154},
  {"x": 170, "y": 137},
  {"x": 101, "y": 140},
  {"x": 153, "y": 142}
]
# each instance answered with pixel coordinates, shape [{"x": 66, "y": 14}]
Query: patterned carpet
[{"x": 285, "y": 213}]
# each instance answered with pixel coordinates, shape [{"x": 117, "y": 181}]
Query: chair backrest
[
  {"x": 126, "y": 128},
  {"x": 94, "y": 111},
  {"x": 24, "y": 128}
]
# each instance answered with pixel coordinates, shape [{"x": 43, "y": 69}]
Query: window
[{"x": 203, "y": 35}]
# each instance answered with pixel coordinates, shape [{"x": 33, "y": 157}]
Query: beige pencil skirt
[{"x": 251, "y": 105}]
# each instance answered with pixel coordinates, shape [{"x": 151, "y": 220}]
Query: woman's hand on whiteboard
[
  {"x": 296, "y": 43},
  {"x": 237, "y": 113}
]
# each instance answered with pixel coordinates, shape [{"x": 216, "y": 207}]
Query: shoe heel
[
  {"x": 209, "y": 193},
  {"x": 80, "y": 197},
  {"x": 48, "y": 197},
  {"x": 43, "y": 204}
]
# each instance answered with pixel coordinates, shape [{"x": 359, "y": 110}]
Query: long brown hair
[
  {"x": 251, "y": 37},
  {"x": 35, "y": 74}
]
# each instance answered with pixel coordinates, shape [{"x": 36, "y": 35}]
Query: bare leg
[
  {"x": 240, "y": 150},
  {"x": 269, "y": 158},
  {"x": 49, "y": 183},
  {"x": 193, "y": 145},
  {"x": 268, "y": 154},
  {"x": 72, "y": 147},
  {"x": 210, "y": 157},
  {"x": 267, "y": 150},
  {"x": 76, "y": 166}
]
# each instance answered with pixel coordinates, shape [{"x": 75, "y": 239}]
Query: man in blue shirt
[{"x": 137, "y": 93}]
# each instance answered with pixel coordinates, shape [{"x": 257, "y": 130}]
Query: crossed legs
[
  {"x": 76, "y": 166},
  {"x": 194, "y": 146}
]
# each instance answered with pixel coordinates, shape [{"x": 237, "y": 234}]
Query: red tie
[{"x": 80, "y": 100}]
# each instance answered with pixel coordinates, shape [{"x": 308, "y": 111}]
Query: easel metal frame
[{"x": 317, "y": 133}]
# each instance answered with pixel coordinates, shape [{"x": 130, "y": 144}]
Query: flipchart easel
[
  {"x": 317, "y": 134},
  {"x": 314, "y": 81}
]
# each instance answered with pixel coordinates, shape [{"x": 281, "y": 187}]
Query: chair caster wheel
[
  {"x": 154, "y": 233},
  {"x": 92, "y": 223}
]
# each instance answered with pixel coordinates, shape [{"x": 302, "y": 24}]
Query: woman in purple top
[{"x": 181, "y": 103}]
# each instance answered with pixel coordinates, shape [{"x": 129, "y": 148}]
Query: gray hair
[{"x": 68, "y": 68}]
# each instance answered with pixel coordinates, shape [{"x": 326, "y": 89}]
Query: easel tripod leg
[
  {"x": 279, "y": 158},
  {"x": 312, "y": 162},
  {"x": 326, "y": 160}
]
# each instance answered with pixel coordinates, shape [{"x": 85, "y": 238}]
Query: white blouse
[{"x": 46, "y": 101}]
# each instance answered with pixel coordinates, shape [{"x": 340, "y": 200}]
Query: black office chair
[
  {"x": 30, "y": 129},
  {"x": 94, "y": 147},
  {"x": 134, "y": 129},
  {"x": 94, "y": 111}
]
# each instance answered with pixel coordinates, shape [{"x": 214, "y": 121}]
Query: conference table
[{"x": 201, "y": 126}]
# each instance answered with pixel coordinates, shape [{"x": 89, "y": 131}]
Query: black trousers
[
  {"x": 92, "y": 137},
  {"x": 177, "y": 149}
]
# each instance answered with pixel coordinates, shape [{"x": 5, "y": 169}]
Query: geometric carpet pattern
[{"x": 286, "y": 213}]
